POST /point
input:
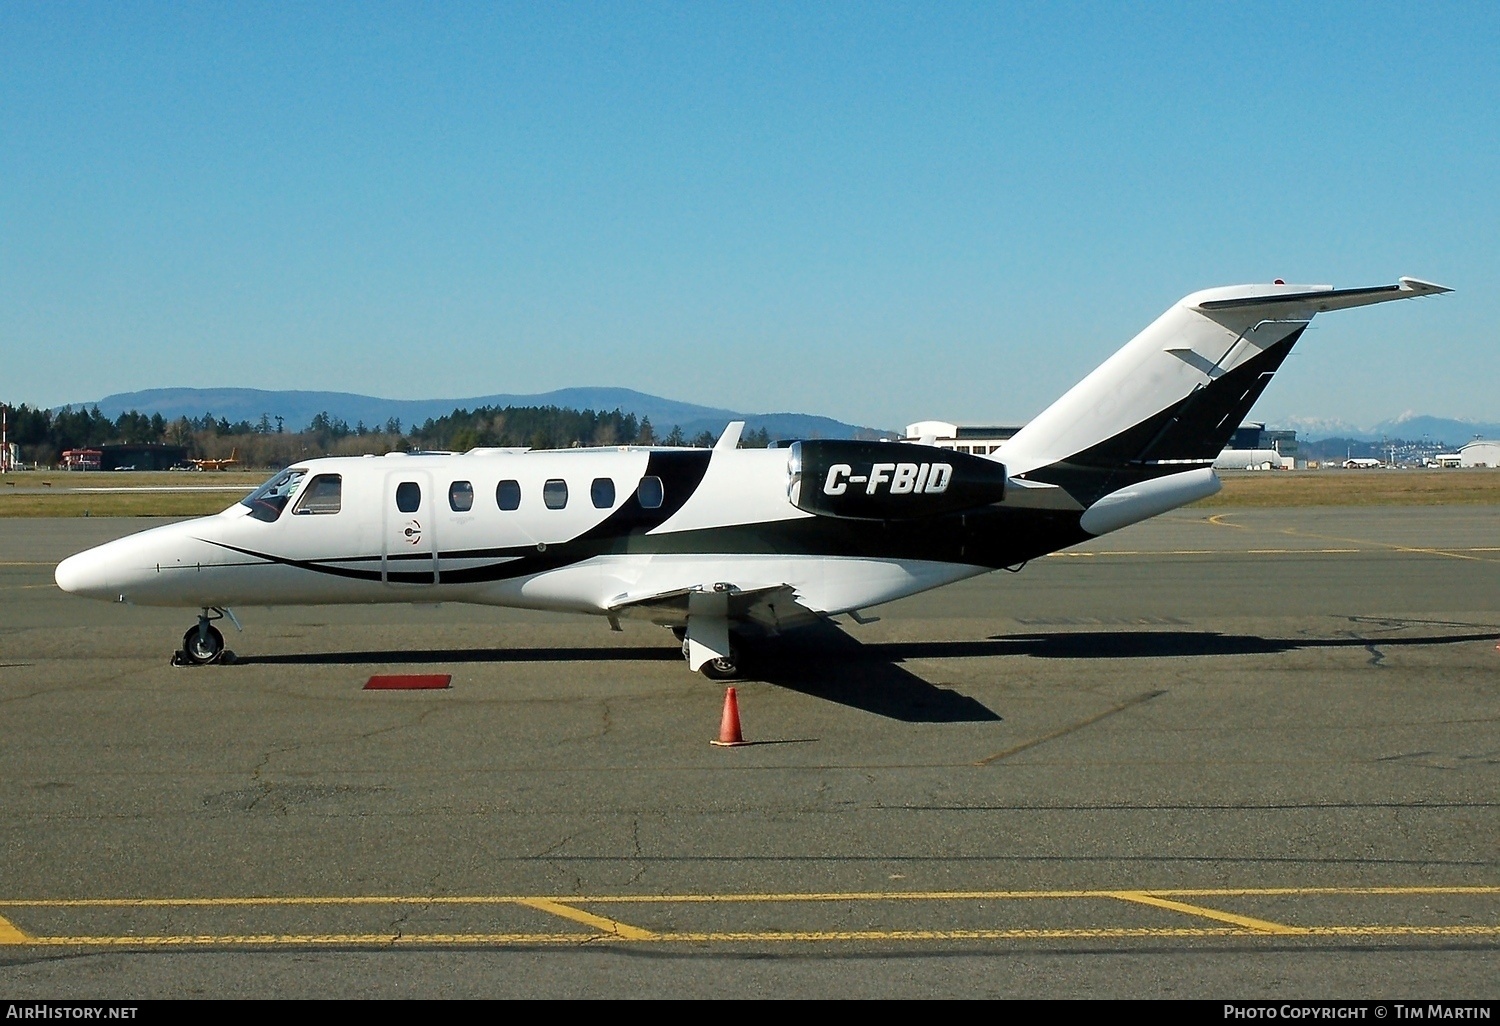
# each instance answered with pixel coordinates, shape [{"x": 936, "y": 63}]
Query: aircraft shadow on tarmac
[
  {"x": 1147, "y": 645},
  {"x": 823, "y": 662}
]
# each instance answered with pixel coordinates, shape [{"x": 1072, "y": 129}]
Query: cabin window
[
  {"x": 460, "y": 496},
  {"x": 508, "y": 495},
  {"x": 322, "y": 495},
  {"x": 602, "y": 491},
  {"x": 267, "y": 501},
  {"x": 555, "y": 493},
  {"x": 649, "y": 492},
  {"x": 408, "y": 496}
]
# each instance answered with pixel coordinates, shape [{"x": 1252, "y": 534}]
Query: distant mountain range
[
  {"x": 297, "y": 408},
  {"x": 1410, "y": 427}
]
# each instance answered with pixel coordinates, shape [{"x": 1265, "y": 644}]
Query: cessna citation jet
[{"x": 726, "y": 545}]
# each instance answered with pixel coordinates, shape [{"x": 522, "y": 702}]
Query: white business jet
[{"x": 728, "y": 545}]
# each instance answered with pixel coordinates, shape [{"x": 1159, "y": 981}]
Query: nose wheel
[{"x": 203, "y": 643}]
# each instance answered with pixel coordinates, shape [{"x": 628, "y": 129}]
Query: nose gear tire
[{"x": 201, "y": 646}]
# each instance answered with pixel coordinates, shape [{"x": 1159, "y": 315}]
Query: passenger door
[{"x": 409, "y": 555}]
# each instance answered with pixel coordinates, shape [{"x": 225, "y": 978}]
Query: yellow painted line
[
  {"x": 308, "y": 940},
  {"x": 578, "y": 915},
  {"x": 1275, "y": 892},
  {"x": 748, "y": 896},
  {"x": 311, "y": 939},
  {"x": 28, "y": 564},
  {"x": 1462, "y": 553},
  {"x": 10, "y": 935},
  {"x": 1258, "y": 925},
  {"x": 1401, "y": 931},
  {"x": 604, "y": 929},
  {"x": 814, "y": 936},
  {"x": 1141, "y": 552},
  {"x": 1213, "y": 552},
  {"x": 1456, "y": 553},
  {"x": 1218, "y": 521}
]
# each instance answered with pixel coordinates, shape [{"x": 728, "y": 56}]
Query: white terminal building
[
  {"x": 1478, "y": 453},
  {"x": 1247, "y": 450},
  {"x": 981, "y": 441}
]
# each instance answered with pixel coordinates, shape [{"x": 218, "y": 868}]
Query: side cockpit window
[
  {"x": 323, "y": 494},
  {"x": 267, "y": 501}
]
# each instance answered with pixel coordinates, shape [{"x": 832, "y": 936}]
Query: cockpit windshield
[{"x": 267, "y": 501}]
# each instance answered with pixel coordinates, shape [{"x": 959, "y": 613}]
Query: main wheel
[
  {"x": 203, "y": 646},
  {"x": 722, "y": 669}
]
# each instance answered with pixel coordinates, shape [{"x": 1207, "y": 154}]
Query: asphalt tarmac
[{"x": 1250, "y": 754}]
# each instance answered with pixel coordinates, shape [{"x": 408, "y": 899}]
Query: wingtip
[{"x": 1425, "y": 288}]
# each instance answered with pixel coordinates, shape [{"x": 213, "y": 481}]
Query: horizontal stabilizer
[
  {"x": 1173, "y": 395},
  {"x": 1322, "y": 298}
]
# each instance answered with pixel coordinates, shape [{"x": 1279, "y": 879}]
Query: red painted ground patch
[{"x": 408, "y": 682}]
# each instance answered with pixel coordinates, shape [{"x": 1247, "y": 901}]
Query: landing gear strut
[{"x": 204, "y": 644}]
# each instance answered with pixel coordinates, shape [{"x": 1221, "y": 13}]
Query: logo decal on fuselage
[{"x": 898, "y": 478}]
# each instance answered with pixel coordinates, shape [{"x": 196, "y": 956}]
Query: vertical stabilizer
[{"x": 1169, "y": 401}]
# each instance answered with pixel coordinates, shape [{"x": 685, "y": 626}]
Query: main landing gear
[
  {"x": 723, "y": 667},
  {"x": 717, "y": 660},
  {"x": 204, "y": 644}
]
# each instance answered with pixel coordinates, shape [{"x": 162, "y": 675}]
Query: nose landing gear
[{"x": 204, "y": 644}]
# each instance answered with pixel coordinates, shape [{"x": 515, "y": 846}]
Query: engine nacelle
[{"x": 889, "y": 480}]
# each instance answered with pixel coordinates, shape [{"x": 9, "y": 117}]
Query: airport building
[
  {"x": 125, "y": 457},
  {"x": 81, "y": 459},
  {"x": 980, "y": 441},
  {"x": 1478, "y": 453}
]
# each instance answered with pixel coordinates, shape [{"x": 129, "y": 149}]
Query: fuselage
[{"x": 583, "y": 530}]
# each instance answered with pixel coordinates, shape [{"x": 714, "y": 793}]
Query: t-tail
[{"x": 1139, "y": 435}]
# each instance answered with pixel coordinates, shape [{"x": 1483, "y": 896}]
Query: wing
[{"x": 765, "y": 610}]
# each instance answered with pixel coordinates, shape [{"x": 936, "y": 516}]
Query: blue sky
[{"x": 876, "y": 212}]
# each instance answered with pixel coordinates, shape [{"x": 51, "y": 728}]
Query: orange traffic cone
[{"x": 729, "y": 726}]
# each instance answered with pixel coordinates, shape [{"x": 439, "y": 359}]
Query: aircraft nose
[{"x": 84, "y": 574}]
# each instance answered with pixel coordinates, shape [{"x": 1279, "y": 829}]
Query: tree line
[
  {"x": 554, "y": 427},
  {"x": 42, "y": 435}
]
